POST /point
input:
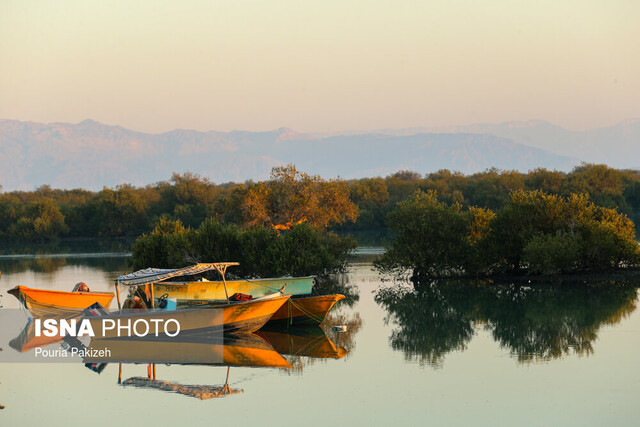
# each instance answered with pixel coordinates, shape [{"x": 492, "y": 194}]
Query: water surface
[{"x": 476, "y": 354}]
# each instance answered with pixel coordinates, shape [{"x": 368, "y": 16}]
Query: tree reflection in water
[
  {"x": 429, "y": 324},
  {"x": 538, "y": 323},
  {"x": 342, "y": 313},
  {"x": 45, "y": 263},
  {"x": 337, "y": 284}
]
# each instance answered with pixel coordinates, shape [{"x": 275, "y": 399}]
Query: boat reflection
[
  {"x": 263, "y": 349},
  {"x": 241, "y": 350},
  {"x": 536, "y": 324},
  {"x": 245, "y": 350},
  {"x": 304, "y": 347},
  {"x": 199, "y": 391},
  {"x": 307, "y": 342},
  {"x": 289, "y": 349},
  {"x": 27, "y": 340}
]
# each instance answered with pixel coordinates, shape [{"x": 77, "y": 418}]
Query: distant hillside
[
  {"x": 618, "y": 146},
  {"x": 92, "y": 155}
]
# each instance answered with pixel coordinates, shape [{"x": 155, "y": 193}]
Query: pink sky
[{"x": 319, "y": 66}]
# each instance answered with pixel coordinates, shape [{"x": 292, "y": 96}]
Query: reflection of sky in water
[{"x": 482, "y": 384}]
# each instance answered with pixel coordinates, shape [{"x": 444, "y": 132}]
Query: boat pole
[
  {"x": 153, "y": 302},
  {"x": 222, "y": 269},
  {"x": 225, "y": 388},
  {"x": 118, "y": 295}
]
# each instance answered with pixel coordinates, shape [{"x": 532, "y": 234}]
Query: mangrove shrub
[
  {"x": 433, "y": 238},
  {"x": 535, "y": 233},
  {"x": 550, "y": 234},
  {"x": 261, "y": 251}
]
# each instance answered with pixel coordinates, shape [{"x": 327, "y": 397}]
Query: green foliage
[
  {"x": 433, "y": 238},
  {"x": 292, "y": 197},
  {"x": 190, "y": 199},
  {"x": 550, "y": 234},
  {"x": 369, "y": 192},
  {"x": 544, "y": 180},
  {"x": 260, "y": 250},
  {"x": 602, "y": 183},
  {"x": 114, "y": 213},
  {"x": 534, "y": 232},
  {"x": 525, "y": 215},
  {"x": 312, "y": 252},
  {"x": 491, "y": 189},
  {"x": 40, "y": 221},
  {"x": 553, "y": 253},
  {"x": 11, "y": 209},
  {"x": 401, "y": 185},
  {"x": 167, "y": 246},
  {"x": 609, "y": 240}
]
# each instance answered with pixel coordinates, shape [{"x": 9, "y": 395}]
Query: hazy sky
[{"x": 319, "y": 65}]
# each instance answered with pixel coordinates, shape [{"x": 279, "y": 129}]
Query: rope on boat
[
  {"x": 304, "y": 311},
  {"x": 309, "y": 345},
  {"x": 290, "y": 316},
  {"x": 23, "y": 306},
  {"x": 291, "y": 301}
]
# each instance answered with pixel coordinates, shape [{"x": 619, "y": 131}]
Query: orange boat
[
  {"x": 301, "y": 309},
  {"x": 43, "y": 302},
  {"x": 305, "y": 310},
  {"x": 227, "y": 316}
]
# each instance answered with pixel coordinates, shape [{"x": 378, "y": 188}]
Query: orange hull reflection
[
  {"x": 242, "y": 350},
  {"x": 28, "y": 340},
  {"x": 308, "y": 342}
]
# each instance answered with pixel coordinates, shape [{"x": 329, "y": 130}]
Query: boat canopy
[{"x": 152, "y": 275}]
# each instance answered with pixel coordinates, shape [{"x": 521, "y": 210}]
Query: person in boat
[{"x": 81, "y": 287}]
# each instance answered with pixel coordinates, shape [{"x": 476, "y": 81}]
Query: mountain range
[
  {"x": 617, "y": 146},
  {"x": 91, "y": 155}
]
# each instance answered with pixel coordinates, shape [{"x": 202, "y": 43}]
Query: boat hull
[
  {"x": 44, "y": 302},
  {"x": 237, "y": 317},
  {"x": 305, "y": 311}
]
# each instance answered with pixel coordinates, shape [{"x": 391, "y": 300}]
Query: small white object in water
[{"x": 340, "y": 328}]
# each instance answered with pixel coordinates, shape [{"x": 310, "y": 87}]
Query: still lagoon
[{"x": 444, "y": 354}]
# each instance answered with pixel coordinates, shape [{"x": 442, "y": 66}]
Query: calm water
[{"x": 443, "y": 355}]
